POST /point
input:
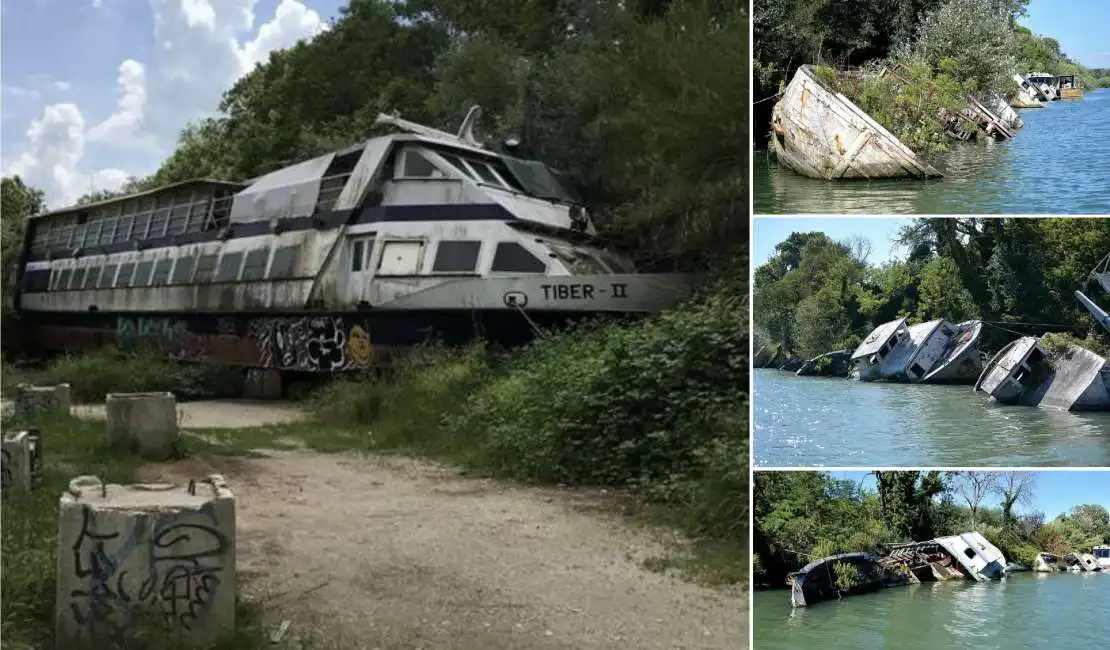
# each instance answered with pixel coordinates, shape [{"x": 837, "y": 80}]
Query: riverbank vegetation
[
  {"x": 816, "y": 295},
  {"x": 802, "y": 516},
  {"x": 949, "y": 49}
]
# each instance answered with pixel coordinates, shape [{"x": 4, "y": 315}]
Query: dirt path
[
  {"x": 392, "y": 553},
  {"x": 220, "y": 413}
]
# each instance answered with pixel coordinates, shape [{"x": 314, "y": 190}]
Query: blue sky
[
  {"x": 93, "y": 91},
  {"x": 1081, "y": 26},
  {"x": 1056, "y": 492},
  {"x": 880, "y": 231}
]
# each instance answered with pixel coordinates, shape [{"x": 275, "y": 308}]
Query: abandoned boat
[
  {"x": 1068, "y": 87},
  {"x": 830, "y": 364},
  {"x": 1047, "y": 563},
  {"x": 1028, "y": 95},
  {"x": 329, "y": 264},
  {"x": 1046, "y": 84},
  {"x": 976, "y": 121},
  {"x": 895, "y": 351},
  {"x": 1102, "y": 554},
  {"x": 966, "y": 556},
  {"x": 1080, "y": 562},
  {"x": 820, "y": 133},
  {"x": 1025, "y": 373}
]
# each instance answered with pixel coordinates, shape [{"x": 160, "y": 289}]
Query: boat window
[
  {"x": 63, "y": 281},
  {"x": 358, "y": 255},
  {"x": 36, "y": 281},
  {"x": 229, "y": 267},
  {"x": 970, "y": 553},
  {"x": 486, "y": 173},
  {"x": 456, "y": 257},
  {"x": 92, "y": 276},
  {"x": 415, "y": 165},
  {"x": 108, "y": 277},
  {"x": 916, "y": 370},
  {"x": 400, "y": 258},
  {"x": 577, "y": 261},
  {"x": 183, "y": 270},
  {"x": 142, "y": 273},
  {"x": 458, "y": 164},
  {"x": 206, "y": 268},
  {"x": 54, "y": 275},
  {"x": 126, "y": 272},
  {"x": 254, "y": 267},
  {"x": 284, "y": 264},
  {"x": 162, "y": 271},
  {"x": 78, "y": 279},
  {"x": 511, "y": 257}
]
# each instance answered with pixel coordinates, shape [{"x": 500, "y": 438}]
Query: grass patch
[
  {"x": 92, "y": 375},
  {"x": 71, "y": 447}
]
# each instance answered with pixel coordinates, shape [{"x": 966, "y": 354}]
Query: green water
[
  {"x": 815, "y": 421},
  {"x": 1059, "y": 163},
  {"x": 1024, "y": 611}
]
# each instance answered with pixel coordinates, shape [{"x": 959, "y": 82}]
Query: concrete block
[
  {"x": 140, "y": 563},
  {"x": 145, "y": 423},
  {"x": 20, "y": 461},
  {"x": 31, "y": 401}
]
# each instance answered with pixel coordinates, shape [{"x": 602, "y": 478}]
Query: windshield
[{"x": 514, "y": 174}]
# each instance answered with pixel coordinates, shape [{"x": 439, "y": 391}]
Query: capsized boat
[
  {"x": 1028, "y": 95},
  {"x": 820, "y": 133},
  {"x": 830, "y": 364},
  {"x": 895, "y": 351},
  {"x": 961, "y": 361},
  {"x": 1009, "y": 117},
  {"x": 1046, "y": 84},
  {"x": 976, "y": 121},
  {"x": 817, "y": 581},
  {"x": 1025, "y": 373},
  {"x": 1079, "y": 562}
]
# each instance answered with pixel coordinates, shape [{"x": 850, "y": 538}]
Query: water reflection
[{"x": 1059, "y": 163}]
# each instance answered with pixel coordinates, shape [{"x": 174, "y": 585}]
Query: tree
[
  {"x": 906, "y": 500},
  {"x": 941, "y": 294},
  {"x": 973, "y": 488},
  {"x": 1015, "y": 488}
]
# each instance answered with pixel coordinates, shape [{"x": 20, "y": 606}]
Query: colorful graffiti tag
[{"x": 314, "y": 344}]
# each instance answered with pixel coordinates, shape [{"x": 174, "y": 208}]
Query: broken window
[{"x": 511, "y": 257}]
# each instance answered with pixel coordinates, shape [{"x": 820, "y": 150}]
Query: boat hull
[
  {"x": 1071, "y": 93},
  {"x": 961, "y": 362},
  {"x": 819, "y": 133}
]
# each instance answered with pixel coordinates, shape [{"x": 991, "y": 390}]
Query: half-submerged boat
[
  {"x": 1025, "y": 373},
  {"x": 1068, "y": 87},
  {"x": 895, "y": 351},
  {"x": 1028, "y": 95},
  {"x": 820, "y": 133},
  {"x": 1045, "y": 84},
  {"x": 966, "y": 556},
  {"x": 1081, "y": 562},
  {"x": 330, "y": 264},
  {"x": 831, "y": 364},
  {"x": 1047, "y": 563}
]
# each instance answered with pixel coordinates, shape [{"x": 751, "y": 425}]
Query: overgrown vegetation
[
  {"x": 815, "y": 295},
  {"x": 801, "y": 516},
  {"x": 28, "y": 565},
  {"x": 953, "y": 48}
]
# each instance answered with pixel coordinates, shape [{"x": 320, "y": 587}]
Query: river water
[
  {"x": 1059, "y": 163},
  {"x": 1024, "y": 611},
  {"x": 831, "y": 422}
]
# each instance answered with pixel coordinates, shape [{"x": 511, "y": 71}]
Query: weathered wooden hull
[
  {"x": 820, "y": 133},
  {"x": 1071, "y": 93}
]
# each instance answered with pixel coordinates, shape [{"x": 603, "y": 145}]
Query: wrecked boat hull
[
  {"x": 1024, "y": 373},
  {"x": 820, "y": 133},
  {"x": 830, "y": 364},
  {"x": 816, "y": 582},
  {"x": 961, "y": 362}
]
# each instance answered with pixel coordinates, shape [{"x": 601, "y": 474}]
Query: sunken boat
[
  {"x": 1026, "y": 373},
  {"x": 1028, "y": 95},
  {"x": 1047, "y": 563},
  {"x": 896, "y": 351},
  {"x": 831, "y": 364},
  {"x": 333, "y": 263},
  {"x": 1082, "y": 562},
  {"x": 1045, "y": 85},
  {"x": 820, "y": 133},
  {"x": 968, "y": 556}
]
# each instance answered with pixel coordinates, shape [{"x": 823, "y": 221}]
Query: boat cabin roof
[
  {"x": 173, "y": 188},
  {"x": 878, "y": 338}
]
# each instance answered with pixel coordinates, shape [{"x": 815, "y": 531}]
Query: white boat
[
  {"x": 1024, "y": 373},
  {"x": 981, "y": 559},
  {"x": 1102, "y": 554},
  {"x": 1028, "y": 95},
  {"x": 1046, "y": 84},
  {"x": 960, "y": 362},
  {"x": 1002, "y": 109},
  {"x": 820, "y": 133},
  {"x": 1079, "y": 562},
  {"x": 896, "y": 351}
]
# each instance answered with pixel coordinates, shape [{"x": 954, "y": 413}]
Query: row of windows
[
  {"x": 452, "y": 256},
  {"x": 214, "y": 267}
]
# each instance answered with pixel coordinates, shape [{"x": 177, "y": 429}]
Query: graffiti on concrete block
[
  {"x": 177, "y": 585},
  {"x": 315, "y": 344},
  {"x": 170, "y": 335}
]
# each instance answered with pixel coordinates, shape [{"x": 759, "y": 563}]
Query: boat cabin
[{"x": 1102, "y": 554}]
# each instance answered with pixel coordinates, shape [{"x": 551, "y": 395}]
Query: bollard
[
  {"x": 32, "y": 401},
  {"x": 144, "y": 423},
  {"x": 146, "y": 561}
]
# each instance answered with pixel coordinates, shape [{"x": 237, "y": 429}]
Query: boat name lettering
[{"x": 582, "y": 291}]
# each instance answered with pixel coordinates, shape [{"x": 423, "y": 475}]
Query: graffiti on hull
[
  {"x": 314, "y": 344},
  {"x": 170, "y": 335}
]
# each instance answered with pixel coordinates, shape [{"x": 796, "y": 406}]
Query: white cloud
[{"x": 203, "y": 53}]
